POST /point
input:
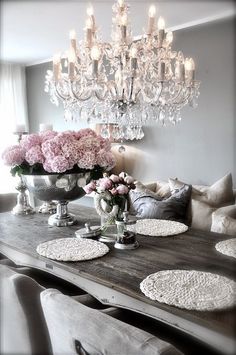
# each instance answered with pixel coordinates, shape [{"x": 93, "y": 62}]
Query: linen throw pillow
[
  {"x": 173, "y": 208},
  {"x": 224, "y": 220},
  {"x": 206, "y": 199},
  {"x": 216, "y": 195}
]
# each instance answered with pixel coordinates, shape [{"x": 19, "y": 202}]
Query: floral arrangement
[
  {"x": 60, "y": 152},
  {"x": 113, "y": 190}
]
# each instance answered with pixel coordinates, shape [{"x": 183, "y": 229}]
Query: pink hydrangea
[
  {"x": 87, "y": 161},
  {"x": 46, "y": 135},
  {"x": 106, "y": 159},
  {"x": 104, "y": 143},
  {"x": 72, "y": 149},
  {"x": 30, "y": 140},
  {"x": 13, "y": 155},
  {"x": 51, "y": 148},
  {"x": 85, "y": 132},
  {"x": 122, "y": 189},
  {"x": 90, "y": 187},
  {"x": 34, "y": 155},
  {"x": 89, "y": 144},
  {"x": 64, "y": 137},
  {"x": 58, "y": 152},
  {"x": 47, "y": 166},
  {"x": 59, "y": 164},
  {"x": 105, "y": 183}
]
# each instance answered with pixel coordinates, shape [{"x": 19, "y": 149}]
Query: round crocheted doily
[
  {"x": 72, "y": 249},
  {"x": 196, "y": 290},
  {"x": 227, "y": 247},
  {"x": 158, "y": 227}
]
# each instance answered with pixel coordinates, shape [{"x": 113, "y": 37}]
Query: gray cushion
[
  {"x": 23, "y": 328},
  {"x": 77, "y": 329},
  {"x": 172, "y": 208}
]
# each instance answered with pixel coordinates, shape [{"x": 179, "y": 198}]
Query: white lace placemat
[
  {"x": 158, "y": 227},
  {"x": 195, "y": 290},
  {"x": 72, "y": 249},
  {"x": 227, "y": 247}
]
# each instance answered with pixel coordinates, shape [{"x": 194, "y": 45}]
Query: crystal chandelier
[{"x": 128, "y": 82}]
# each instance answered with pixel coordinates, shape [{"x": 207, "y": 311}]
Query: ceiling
[{"x": 31, "y": 31}]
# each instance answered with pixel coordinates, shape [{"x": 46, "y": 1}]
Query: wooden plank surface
[{"x": 123, "y": 271}]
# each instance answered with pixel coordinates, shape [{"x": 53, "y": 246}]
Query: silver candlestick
[{"x": 23, "y": 206}]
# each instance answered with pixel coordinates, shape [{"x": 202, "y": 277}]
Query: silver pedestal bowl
[{"x": 61, "y": 188}]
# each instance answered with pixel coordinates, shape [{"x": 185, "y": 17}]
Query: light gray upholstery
[
  {"x": 77, "y": 329},
  {"x": 7, "y": 201},
  {"x": 23, "y": 328}
]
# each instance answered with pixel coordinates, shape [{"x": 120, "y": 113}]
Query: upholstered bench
[{"x": 209, "y": 207}]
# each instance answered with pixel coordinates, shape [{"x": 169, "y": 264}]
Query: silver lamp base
[
  {"x": 22, "y": 207},
  {"x": 62, "y": 218}
]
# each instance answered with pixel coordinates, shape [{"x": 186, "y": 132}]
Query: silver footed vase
[{"x": 61, "y": 188}]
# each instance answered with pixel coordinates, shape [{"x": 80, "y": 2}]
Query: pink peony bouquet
[
  {"x": 60, "y": 152},
  {"x": 114, "y": 188}
]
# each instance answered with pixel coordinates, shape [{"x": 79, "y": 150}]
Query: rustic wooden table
[{"x": 114, "y": 279}]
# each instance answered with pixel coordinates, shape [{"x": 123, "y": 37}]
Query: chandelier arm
[
  {"x": 63, "y": 97},
  {"x": 177, "y": 95},
  {"x": 100, "y": 97},
  {"x": 79, "y": 97},
  {"x": 185, "y": 99}
]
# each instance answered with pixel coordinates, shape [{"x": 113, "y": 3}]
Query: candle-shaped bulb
[
  {"x": 71, "y": 56},
  {"x": 161, "y": 23},
  {"x": 192, "y": 64},
  {"x": 90, "y": 11},
  {"x": 89, "y": 23},
  {"x": 189, "y": 68},
  {"x": 133, "y": 52},
  {"x": 152, "y": 11},
  {"x": 169, "y": 37},
  {"x": 187, "y": 64},
  {"x": 72, "y": 34},
  {"x": 95, "y": 53},
  {"x": 56, "y": 58},
  {"x": 123, "y": 20},
  {"x": 121, "y": 3}
]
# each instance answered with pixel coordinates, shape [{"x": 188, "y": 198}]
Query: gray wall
[{"x": 202, "y": 148}]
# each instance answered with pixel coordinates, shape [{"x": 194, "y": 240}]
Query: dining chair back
[
  {"x": 7, "y": 201},
  {"x": 77, "y": 329},
  {"x": 23, "y": 328}
]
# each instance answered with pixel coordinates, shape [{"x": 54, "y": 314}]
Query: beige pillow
[
  {"x": 201, "y": 215},
  {"x": 224, "y": 220},
  {"x": 156, "y": 189},
  {"x": 216, "y": 195},
  {"x": 223, "y": 224},
  {"x": 163, "y": 190},
  {"x": 149, "y": 189},
  {"x": 177, "y": 184}
]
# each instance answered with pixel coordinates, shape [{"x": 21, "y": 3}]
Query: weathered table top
[{"x": 115, "y": 278}]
